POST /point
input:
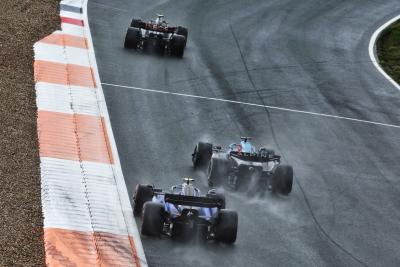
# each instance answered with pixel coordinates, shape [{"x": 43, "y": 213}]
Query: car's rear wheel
[
  {"x": 217, "y": 171},
  {"x": 132, "y": 38},
  {"x": 201, "y": 154},
  {"x": 135, "y": 23},
  {"x": 177, "y": 45},
  {"x": 143, "y": 193},
  {"x": 153, "y": 219},
  {"x": 226, "y": 226},
  {"x": 282, "y": 179},
  {"x": 183, "y": 31}
]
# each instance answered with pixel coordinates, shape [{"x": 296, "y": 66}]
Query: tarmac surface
[{"x": 299, "y": 55}]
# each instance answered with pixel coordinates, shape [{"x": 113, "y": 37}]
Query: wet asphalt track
[{"x": 308, "y": 55}]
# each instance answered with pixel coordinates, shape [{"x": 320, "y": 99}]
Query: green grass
[{"x": 388, "y": 49}]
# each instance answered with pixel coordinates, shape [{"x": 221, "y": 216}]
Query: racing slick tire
[
  {"x": 132, "y": 38},
  {"x": 177, "y": 45},
  {"x": 143, "y": 193},
  {"x": 135, "y": 23},
  {"x": 201, "y": 154},
  {"x": 153, "y": 219},
  {"x": 226, "y": 227},
  {"x": 282, "y": 179},
  {"x": 217, "y": 171},
  {"x": 183, "y": 31}
]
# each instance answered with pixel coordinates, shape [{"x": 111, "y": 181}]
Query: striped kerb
[
  {"x": 73, "y": 137},
  {"x": 65, "y": 40},
  {"x": 75, "y": 248},
  {"x": 78, "y": 22},
  {"x": 65, "y": 74},
  {"x": 87, "y": 215}
]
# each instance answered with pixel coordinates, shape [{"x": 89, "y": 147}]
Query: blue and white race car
[
  {"x": 183, "y": 213},
  {"x": 242, "y": 166}
]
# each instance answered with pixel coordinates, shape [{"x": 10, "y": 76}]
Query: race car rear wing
[
  {"x": 203, "y": 202},
  {"x": 255, "y": 157},
  {"x": 155, "y": 27}
]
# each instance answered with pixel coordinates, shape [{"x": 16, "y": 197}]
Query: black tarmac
[{"x": 304, "y": 55}]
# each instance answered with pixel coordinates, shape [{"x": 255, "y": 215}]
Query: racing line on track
[{"x": 253, "y": 105}]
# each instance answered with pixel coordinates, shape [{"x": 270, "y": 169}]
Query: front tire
[
  {"x": 201, "y": 154},
  {"x": 226, "y": 227},
  {"x": 153, "y": 219},
  {"x": 282, "y": 179}
]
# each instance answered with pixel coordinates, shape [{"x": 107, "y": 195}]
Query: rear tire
[
  {"x": 143, "y": 193},
  {"x": 136, "y": 23},
  {"x": 153, "y": 219},
  {"x": 226, "y": 228},
  {"x": 201, "y": 154},
  {"x": 217, "y": 171},
  {"x": 132, "y": 38},
  {"x": 177, "y": 45},
  {"x": 184, "y": 32},
  {"x": 282, "y": 179}
]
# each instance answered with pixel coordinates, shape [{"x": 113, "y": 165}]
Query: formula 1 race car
[
  {"x": 241, "y": 166},
  {"x": 185, "y": 214},
  {"x": 156, "y": 36}
]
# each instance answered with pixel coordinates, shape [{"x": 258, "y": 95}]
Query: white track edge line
[
  {"x": 372, "y": 46},
  {"x": 254, "y": 105},
  {"x": 121, "y": 186}
]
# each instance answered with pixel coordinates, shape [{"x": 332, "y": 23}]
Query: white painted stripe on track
[
  {"x": 372, "y": 51},
  {"x": 254, "y": 105},
  {"x": 57, "y": 98},
  {"x": 72, "y": 29},
  {"x": 59, "y": 54}
]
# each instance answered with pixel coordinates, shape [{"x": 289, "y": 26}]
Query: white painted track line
[
  {"x": 254, "y": 105},
  {"x": 372, "y": 51}
]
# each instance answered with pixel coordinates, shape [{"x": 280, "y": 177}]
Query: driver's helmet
[
  {"x": 247, "y": 147},
  {"x": 235, "y": 147},
  {"x": 188, "y": 189},
  {"x": 160, "y": 20}
]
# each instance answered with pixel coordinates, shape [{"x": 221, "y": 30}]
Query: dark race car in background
[
  {"x": 185, "y": 214},
  {"x": 156, "y": 36},
  {"x": 242, "y": 167}
]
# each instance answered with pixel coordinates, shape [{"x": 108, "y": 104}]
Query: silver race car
[{"x": 242, "y": 166}]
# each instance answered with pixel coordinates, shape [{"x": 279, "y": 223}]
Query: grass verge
[{"x": 388, "y": 49}]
